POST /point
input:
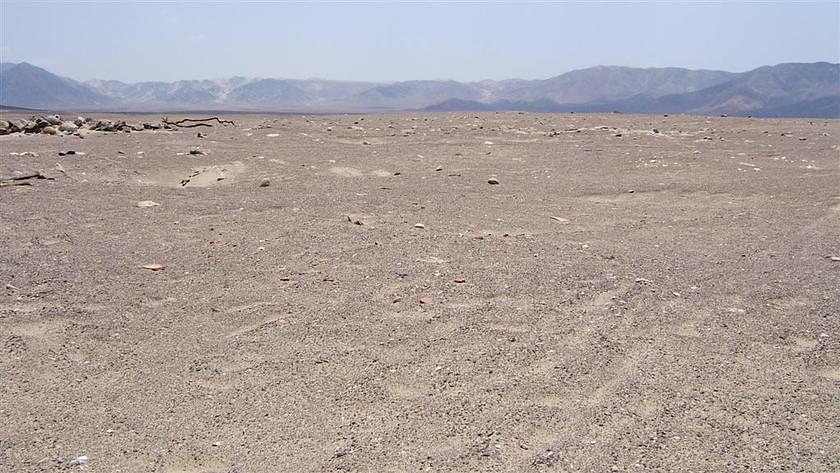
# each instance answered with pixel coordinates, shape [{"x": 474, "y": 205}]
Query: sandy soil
[{"x": 654, "y": 301}]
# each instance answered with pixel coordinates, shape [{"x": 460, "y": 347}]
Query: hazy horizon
[{"x": 377, "y": 42}]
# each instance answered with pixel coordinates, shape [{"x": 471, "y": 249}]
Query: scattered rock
[
  {"x": 459, "y": 280},
  {"x": 195, "y": 150},
  {"x": 154, "y": 267},
  {"x": 28, "y": 154},
  {"x": 546, "y": 458},
  {"x": 356, "y": 219},
  {"x": 210, "y": 175},
  {"x": 560, "y": 219},
  {"x": 419, "y": 225},
  {"x": 439, "y": 168},
  {"x": 80, "y": 460},
  {"x": 144, "y": 204},
  {"x": 492, "y": 180},
  {"x": 833, "y": 258},
  {"x": 425, "y": 300},
  {"x": 69, "y": 152},
  {"x": 265, "y": 182}
]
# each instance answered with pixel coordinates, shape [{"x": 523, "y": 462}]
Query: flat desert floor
[{"x": 622, "y": 299}]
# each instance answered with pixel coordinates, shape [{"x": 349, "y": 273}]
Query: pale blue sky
[{"x": 153, "y": 40}]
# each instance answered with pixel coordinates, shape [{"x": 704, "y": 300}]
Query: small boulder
[
  {"x": 68, "y": 127},
  {"x": 32, "y": 126},
  {"x": 49, "y": 130}
]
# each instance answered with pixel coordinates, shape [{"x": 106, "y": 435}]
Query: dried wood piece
[{"x": 194, "y": 122}]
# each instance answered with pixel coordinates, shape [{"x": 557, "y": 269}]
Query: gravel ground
[{"x": 345, "y": 293}]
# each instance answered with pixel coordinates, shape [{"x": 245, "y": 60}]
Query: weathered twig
[
  {"x": 22, "y": 180},
  {"x": 194, "y": 122}
]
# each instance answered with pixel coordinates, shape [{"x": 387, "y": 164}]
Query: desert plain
[{"x": 351, "y": 293}]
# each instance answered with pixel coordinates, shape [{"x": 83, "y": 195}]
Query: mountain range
[{"x": 790, "y": 89}]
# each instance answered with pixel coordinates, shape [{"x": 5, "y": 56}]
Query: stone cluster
[{"x": 56, "y": 125}]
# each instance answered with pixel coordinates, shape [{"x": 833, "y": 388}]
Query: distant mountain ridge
[{"x": 791, "y": 89}]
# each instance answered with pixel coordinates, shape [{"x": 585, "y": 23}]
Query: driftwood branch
[
  {"x": 194, "y": 122},
  {"x": 22, "y": 180}
]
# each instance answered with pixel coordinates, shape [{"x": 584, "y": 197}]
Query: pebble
[
  {"x": 560, "y": 219},
  {"x": 492, "y": 180},
  {"x": 265, "y": 182},
  {"x": 144, "y": 204},
  {"x": 419, "y": 225},
  {"x": 80, "y": 460},
  {"x": 357, "y": 219}
]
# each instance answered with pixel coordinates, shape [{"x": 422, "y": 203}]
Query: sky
[{"x": 466, "y": 41}]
